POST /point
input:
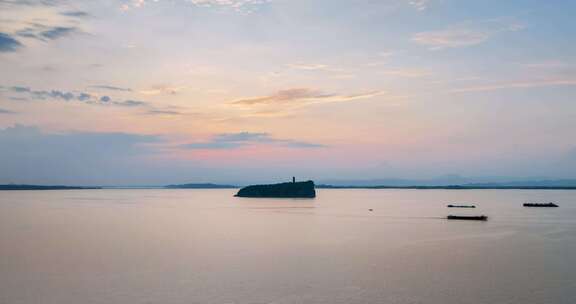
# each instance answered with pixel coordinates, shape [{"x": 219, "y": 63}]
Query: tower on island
[{"x": 293, "y": 179}]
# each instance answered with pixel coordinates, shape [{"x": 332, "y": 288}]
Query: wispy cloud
[
  {"x": 243, "y": 139},
  {"x": 406, "y": 72},
  {"x": 313, "y": 67},
  {"x": 8, "y": 43},
  {"x": 517, "y": 85},
  {"x": 130, "y": 103},
  {"x": 163, "y": 112},
  {"x": 43, "y": 20},
  {"x": 307, "y": 67},
  {"x": 84, "y": 97},
  {"x": 452, "y": 38},
  {"x": 57, "y": 32},
  {"x": 238, "y": 5},
  {"x": 467, "y": 34},
  {"x": 301, "y": 96},
  {"x": 162, "y": 90},
  {"x": 286, "y": 102},
  {"x": 420, "y": 5},
  {"x": 111, "y": 88},
  {"x": 30, "y": 2},
  {"x": 47, "y": 33},
  {"x": 4, "y": 111},
  {"x": 77, "y": 14},
  {"x": 551, "y": 64}
]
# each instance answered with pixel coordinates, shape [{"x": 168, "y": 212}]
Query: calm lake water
[{"x": 206, "y": 246}]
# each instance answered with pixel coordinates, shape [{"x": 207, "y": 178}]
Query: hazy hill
[{"x": 200, "y": 186}]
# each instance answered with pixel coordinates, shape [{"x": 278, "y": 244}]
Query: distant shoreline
[
  {"x": 11, "y": 187},
  {"x": 39, "y": 187},
  {"x": 454, "y": 187}
]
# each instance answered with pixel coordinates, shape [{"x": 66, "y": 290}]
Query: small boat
[
  {"x": 468, "y": 217},
  {"x": 461, "y": 206},
  {"x": 540, "y": 205}
]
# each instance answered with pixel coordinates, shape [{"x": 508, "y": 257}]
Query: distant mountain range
[
  {"x": 539, "y": 183},
  {"x": 38, "y": 187},
  {"x": 451, "y": 187},
  {"x": 450, "y": 182},
  {"x": 201, "y": 186},
  {"x": 454, "y": 180}
]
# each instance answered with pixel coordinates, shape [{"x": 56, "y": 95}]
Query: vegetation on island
[{"x": 283, "y": 190}]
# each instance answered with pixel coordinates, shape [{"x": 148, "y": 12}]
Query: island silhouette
[{"x": 282, "y": 190}]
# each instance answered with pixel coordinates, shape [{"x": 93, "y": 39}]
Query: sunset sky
[{"x": 169, "y": 91}]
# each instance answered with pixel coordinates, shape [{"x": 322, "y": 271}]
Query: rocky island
[{"x": 282, "y": 190}]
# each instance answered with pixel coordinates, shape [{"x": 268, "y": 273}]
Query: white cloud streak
[
  {"x": 464, "y": 35},
  {"x": 517, "y": 85},
  {"x": 239, "y": 5},
  {"x": 420, "y": 5},
  {"x": 301, "y": 96}
]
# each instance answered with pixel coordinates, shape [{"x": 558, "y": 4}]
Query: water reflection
[{"x": 206, "y": 246}]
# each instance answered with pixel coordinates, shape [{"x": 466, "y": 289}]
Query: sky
[{"x": 141, "y": 92}]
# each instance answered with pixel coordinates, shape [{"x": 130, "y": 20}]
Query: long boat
[
  {"x": 468, "y": 217},
  {"x": 540, "y": 205},
  {"x": 461, "y": 206}
]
